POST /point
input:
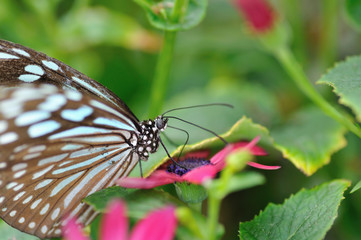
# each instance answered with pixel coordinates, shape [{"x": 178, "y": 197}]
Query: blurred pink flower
[
  {"x": 258, "y": 14},
  {"x": 159, "y": 224},
  {"x": 198, "y": 168}
]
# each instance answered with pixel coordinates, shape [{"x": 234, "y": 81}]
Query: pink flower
[
  {"x": 199, "y": 169},
  {"x": 258, "y": 14},
  {"x": 157, "y": 225}
]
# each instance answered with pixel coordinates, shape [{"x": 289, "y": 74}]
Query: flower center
[{"x": 188, "y": 164}]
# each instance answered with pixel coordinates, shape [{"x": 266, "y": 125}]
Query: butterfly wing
[
  {"x": 19, "y": 64},
  {"x": 56, "y": 147}
]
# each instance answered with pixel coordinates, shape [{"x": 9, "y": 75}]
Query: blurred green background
[{"x": 111, "y": 41}]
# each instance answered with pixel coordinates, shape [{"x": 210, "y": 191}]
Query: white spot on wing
[
  {"x": 65, "y": 183},
  {"x": 79, "y": 131},
  {"x": 44, "y": 229},
  {"x": 19, "y": 166},
  {"x": 28, "y": 199},
  {"x": 35, "y": 69},
  {"x": 12, "y": 213},
  {"x": 88, "y": 86},
  {"x": 31, "y": 225},
  {"x": 73, "y": 95},
  {"x": 11, "y": 185},
  {"x": 45, "y": 209},
  {"x": 31, "y": 117},
  {"x": 8, "y": 138},
  {"x": 37, "y": 148},
  {"x": 28, "y": 78},
  {"x": 31, "y": 156},
  {"x": 22, "y": 52},
  {"x": 104, "y": 107},
  {"x": 77, "y": 115},
  {"x": 51, "y": 65},
  {"x": 42, "y": 172},
  {"x": 55, "y": 214},
  {"x": 43, "y": 184},
  {"x": 3, "y": 165},
  {"x": 19, "y": 174},
  {"x": 7, "y": 56},
  {"x": 43, "y": 128},
  {"x": 22, "y": 220},
  {"x": 3, "y": 126},
  {"x": 112, "y": 123},
  {"x": 52, "y": 159},
  {"x": 71, "y": 147},
  {"x": 18, "y": 187},
  {"x": 18, "y": 196},
  {"x": 36, "y": 203},
  {"x": 53, "y": 103}
]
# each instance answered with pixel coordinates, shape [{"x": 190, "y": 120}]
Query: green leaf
[
  {"x": 356, "y": 187},
  {"x": 190, "y": 193},
  {"x": 243, "y": 181},
  {"x": 345, "y": 78},
  {"x": 309, "y": 139},
  {"x": 307, "y": 215},
  {"x": 160, "y": 13},
  {"x": 353, "y": 10},
  {"x": 88, "y": 27},
  {"x": 244, "y": 129},
  {"x": 139, "y": 202}
]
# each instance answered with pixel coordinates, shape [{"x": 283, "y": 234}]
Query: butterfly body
[{"x": 63, "y": 136}]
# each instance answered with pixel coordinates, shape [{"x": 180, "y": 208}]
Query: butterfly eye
[{"x": 161, "y": 123}]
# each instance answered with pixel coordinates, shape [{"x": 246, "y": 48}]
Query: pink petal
[
  {"x": 198, "y": 154},
  {"x": 219, "y": 159},
  {"x": 200, "y": 174},
  {"x": 255, "y": 150},
  {"x": 258, "y": 13},
  {"x": 115, "y": 223},
  {"x": 261, "y": 166},
  {"x": 158, "y": 178},
  {"x": 72, "y": 230},
  {"x": 158, "y": 225}
]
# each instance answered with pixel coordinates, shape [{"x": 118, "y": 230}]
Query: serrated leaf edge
[
  {"x": 342, "y": 99},
  {"x": 346, "y": 183}
]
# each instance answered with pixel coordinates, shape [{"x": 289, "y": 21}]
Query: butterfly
[{"x": 63, "y": 136}]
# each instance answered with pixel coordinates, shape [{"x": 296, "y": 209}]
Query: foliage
[{"x": 209, "y": 54}]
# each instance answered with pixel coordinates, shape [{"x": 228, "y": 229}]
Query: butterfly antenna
[
  {"x": 197, "y": 106},
  {"x": 140, "y": 167},
  {"x": 165, "y": 149},
  {"x": 193, "y": 124},
  {"x": 186, "y": 142}
]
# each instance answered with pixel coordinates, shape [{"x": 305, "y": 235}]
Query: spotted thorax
[{"x": 148, "y": 140}]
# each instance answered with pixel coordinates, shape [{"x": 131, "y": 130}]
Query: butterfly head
[
  {"x": 161, "y": 123},
  {"x": 148, "y": 140}
]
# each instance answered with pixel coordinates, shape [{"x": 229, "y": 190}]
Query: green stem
[
  {"x": 196, "y": 206},
  {"x": 298, "y": 75},
  {"x": 214, "y": 203},
  {"x": 329, "y": 31},
  {"x": 178, "y": 11},
  {"x": 160, "y": 81},
  {"x": 294, "y": 15}
]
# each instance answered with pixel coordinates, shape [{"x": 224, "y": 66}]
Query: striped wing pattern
[
  {"x": 56, "y": 147},
  {"x": 19, "y": 64}
]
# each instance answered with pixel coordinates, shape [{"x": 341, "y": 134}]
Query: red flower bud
[{"x": 258, "y": 14}]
